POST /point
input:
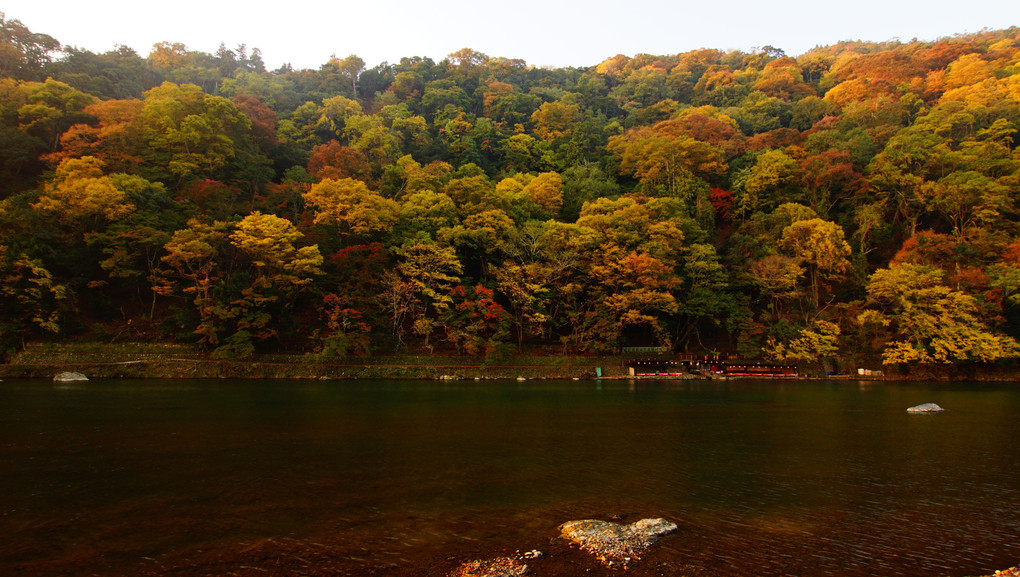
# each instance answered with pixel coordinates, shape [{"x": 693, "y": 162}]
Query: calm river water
[{"x": 414, "y": 477}]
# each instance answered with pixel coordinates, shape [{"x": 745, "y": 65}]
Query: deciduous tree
[
  {"x": 821, "y": 246},
  {"x": 930, "y": 322},
  {"x": 351, "y": 206}
]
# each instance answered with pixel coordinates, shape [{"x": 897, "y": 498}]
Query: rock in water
[
  {"x": 69, "y": 377},
  {"x": 614, "y": 543},
  {"x": 926, "y": 408},
  {"x": 500, "y": 567}
]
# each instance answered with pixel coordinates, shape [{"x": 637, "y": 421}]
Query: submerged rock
[
  {"x": 69, "y": 378},
  {"x": 926, "y": 408},
  {"x": 499, "y": 567},
  {"x": 614, "y": 543}
]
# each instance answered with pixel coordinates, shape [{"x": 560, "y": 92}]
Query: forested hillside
[{"x": 857, "y": 200}]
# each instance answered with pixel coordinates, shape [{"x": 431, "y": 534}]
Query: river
[{"x": 826, "y": 478}]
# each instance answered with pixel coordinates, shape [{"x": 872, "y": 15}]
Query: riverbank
[
  {"x": 174, "y": 360},
  {"x": 154, "y": 360}
]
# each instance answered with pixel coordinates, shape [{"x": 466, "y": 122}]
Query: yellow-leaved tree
[
  {"x": 80, "y": 196},
  {"x": 242, "y": 279},
  {"x": 929, "y": 321},
  {"x": 821, "y": 246},
  {"x": 819, "y": 340},
  {"x": 351, "y": 206}
]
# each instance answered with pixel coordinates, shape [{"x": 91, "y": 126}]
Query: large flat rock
[{"x": 613, "y": 543}]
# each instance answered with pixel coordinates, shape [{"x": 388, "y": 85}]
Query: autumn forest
[{"x": 859, "y": 200}]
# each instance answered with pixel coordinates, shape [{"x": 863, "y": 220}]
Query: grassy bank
[
  {"x": 170, "y": 360},
  {"x": 149, "y": 360}
]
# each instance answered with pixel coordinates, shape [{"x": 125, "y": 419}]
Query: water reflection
[{"x": 405, "y": 478}]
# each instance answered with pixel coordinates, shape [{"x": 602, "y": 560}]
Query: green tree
[
  {"x": 23, "y": 53},
  {"x": 131, "y": 246},
  {"x": 51, "y": 108},
  {"x": 349, "y": 68},
  {"x": 774, "y": 178},
  {"x": 471, "y": 191},
  {"x": 653, "y": 226},
  {"x": 480, "y": 239},
  {"x": 704, "y": 296},
  {"x": 969, "y": 201},
  {"x": 190, "y": 134},
  {"x": 585, "y": 183},
  {"x": 426, "y": 212}
]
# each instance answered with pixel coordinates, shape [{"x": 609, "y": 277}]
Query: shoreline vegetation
[{"x": 174, "y": 360}]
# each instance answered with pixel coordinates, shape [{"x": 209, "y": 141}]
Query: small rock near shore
[
  {"x": 613, "y": 543},
  {"x": 499, "y": 567},
  {"x": 925, "y": 408},
  {"x": 69, "y": 378}
]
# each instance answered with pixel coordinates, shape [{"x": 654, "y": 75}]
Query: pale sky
[{"x": 541, "y": 32}]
